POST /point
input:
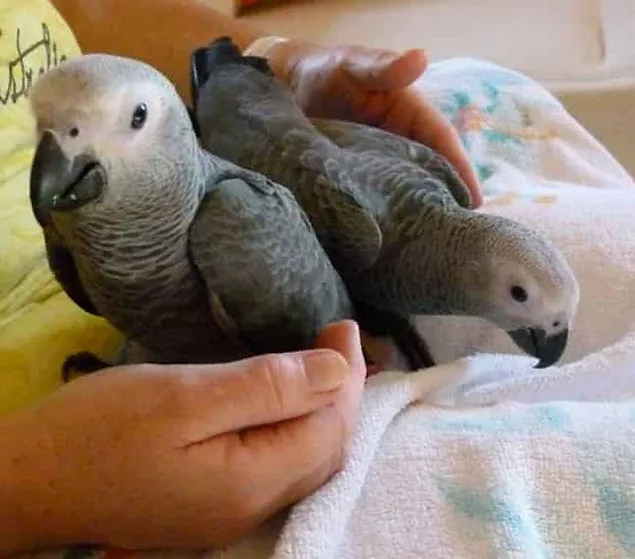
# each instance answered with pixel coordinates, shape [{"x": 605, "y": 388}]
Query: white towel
[
  {"x": 491, "y": 477},
  {"x": 485, "y": 456}
]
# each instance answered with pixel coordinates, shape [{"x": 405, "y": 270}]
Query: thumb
[
  {"x": 261, "y": 390},
  {"x": 344, "y": 337},
  {"x": 377, "y": 69}
]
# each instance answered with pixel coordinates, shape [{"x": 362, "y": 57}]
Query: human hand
[
  {"x": 144, "y": 457},
  {"x": 373, "y": 87}
]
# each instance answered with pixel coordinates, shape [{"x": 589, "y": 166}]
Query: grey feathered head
[
  {"x": 109, "y": 130},
  {"x": 516, "y": 278}
]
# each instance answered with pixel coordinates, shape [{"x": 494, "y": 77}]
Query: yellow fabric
[{"x": 39, "y": 324}]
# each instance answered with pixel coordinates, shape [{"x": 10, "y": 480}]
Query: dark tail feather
[{"x": 219, "y": 53}]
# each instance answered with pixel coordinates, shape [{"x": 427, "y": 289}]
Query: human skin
[{"x": 151, "y": 456}]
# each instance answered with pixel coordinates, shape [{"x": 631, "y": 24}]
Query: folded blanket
[{"x": 485, "y": 456}]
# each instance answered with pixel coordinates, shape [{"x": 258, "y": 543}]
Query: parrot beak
[
  {"x": 59, "y": 183},
  {"x": 534, "y": 341}
]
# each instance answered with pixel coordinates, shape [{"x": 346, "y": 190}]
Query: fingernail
[{"x": 325, "y": 370}]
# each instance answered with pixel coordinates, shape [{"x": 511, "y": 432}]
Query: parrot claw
[
  {"x": 82, "y": 363},
  {"x": 371, "y": 366}
]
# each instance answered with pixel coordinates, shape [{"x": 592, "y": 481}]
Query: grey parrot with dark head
[
  {"x": 192, "y": 258},
  {"x": 392, "y": 214}
]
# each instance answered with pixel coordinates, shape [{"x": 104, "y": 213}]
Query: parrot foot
[
  {"x": 405, "y": 336},
  {"x": 82, "y": 363},
  {"x": 413, "y": 347}
]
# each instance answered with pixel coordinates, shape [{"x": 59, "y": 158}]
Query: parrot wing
[
  {"x": 341, "y": 214},
  {"x": 270, "y": 282},
  {"x": 270, "y": 135},
  {"x": 363, "y": 138},
  {"x": 64, "y": 270},
  {"x": 352, "y": 235}
]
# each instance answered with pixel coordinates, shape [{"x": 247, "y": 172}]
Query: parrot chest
[{"x": 158, "y": 302}]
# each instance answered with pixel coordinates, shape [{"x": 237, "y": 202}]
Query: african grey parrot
[
  {"x": 192, "y": 258},
  {"x": 392, "y": 214}
]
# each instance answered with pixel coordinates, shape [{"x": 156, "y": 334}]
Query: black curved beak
[
  {"x": 59, "y": 183},
  {"x": 534, "y": 341}
]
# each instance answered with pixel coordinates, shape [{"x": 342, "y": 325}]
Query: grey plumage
[
  {"x": 391, "y": 213},
  {"x": 356, "y": 137},
  {"x": 192, "y": 258}
]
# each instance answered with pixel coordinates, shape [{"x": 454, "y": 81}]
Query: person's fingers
[
  {"x": 344, "y": 337},
  {"x": 315, "y": 461},
  {"x": 456, "y": 154},
  {"x": 377, "y": 69},
  {"x": 275, "y": 465},
  {"x": 257, "y": 391},
  {"x": 294, "y": 457},
  {"x": 369, "y": 107},
  {"x": 326, "y": 431}
]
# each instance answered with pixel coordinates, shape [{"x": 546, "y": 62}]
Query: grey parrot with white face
[
  {"x": 192, "y": 258},
  {"x": 392, "y": 214}
]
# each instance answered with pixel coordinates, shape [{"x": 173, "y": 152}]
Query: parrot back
[{"x": 252, "y": 120}]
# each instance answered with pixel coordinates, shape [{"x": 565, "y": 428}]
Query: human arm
[
  {"x": 356, "y": 83},
  {"x": 206, "y": 452}
]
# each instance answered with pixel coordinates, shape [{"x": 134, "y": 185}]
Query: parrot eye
[
  {"x": 74, "y": 132},
  {"x": 519, "y": 293},
  {"x": 139, "y": 116}
]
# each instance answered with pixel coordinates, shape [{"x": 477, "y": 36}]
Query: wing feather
[
  {"x": 368, "y": 139},
  {"x": 260, "y": 258}
]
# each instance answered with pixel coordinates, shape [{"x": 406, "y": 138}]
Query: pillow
[{"x": 39, "y": 324}]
